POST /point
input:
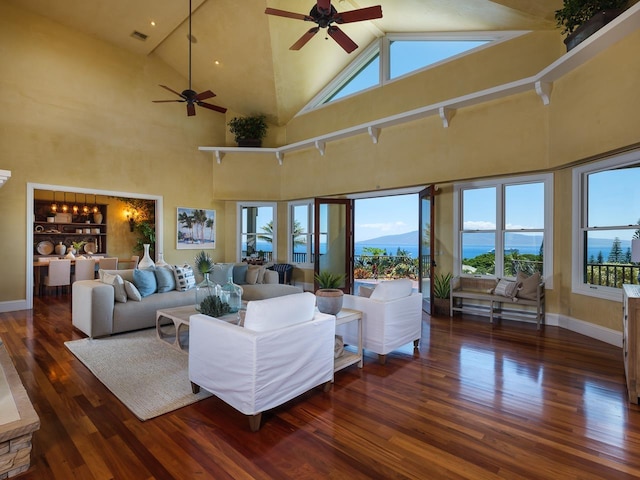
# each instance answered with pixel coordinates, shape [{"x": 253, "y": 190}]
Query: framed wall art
[{"x": 196, "y": 228}]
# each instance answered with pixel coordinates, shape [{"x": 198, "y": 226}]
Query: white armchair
[
  {"x": 284, "y": 349},
  {"x": 391, "y": 317}
]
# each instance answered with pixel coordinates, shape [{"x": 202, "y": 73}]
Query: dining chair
[
  {"x": 85, "y": 269},
  {"x": 59, "y": 274},
  {"x": 130, "y": 264},
  {"x": 109, "y": 263}
]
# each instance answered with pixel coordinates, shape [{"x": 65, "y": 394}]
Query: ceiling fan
[
  {"x": 325, "y": 15},
  {"x": 190, "y": 96}
]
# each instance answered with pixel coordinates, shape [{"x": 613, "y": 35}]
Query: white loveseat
[
  {"x": 284, "y": 349},
  {"x": 391, "y": 317}
]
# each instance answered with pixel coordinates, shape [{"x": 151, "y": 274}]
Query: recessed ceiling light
[
  {"x": 153, "y": 24},
  {"x": 216, "y": 62}
]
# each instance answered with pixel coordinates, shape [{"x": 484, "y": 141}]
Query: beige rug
[{"x": 147, "y": 375}]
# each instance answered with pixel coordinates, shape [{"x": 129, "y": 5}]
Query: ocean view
[{"x": 469, "y": 252}]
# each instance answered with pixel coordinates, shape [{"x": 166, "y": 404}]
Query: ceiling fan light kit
[
  {"x": 325, "y": 15},
  {"x": 190, "y": 96}
]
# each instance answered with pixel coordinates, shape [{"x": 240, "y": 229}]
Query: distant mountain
[{"x": 409, "y": 238}]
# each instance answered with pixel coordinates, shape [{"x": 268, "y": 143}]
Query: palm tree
[
  {"x": 200, "y": 218},
  {"x": 210, "y": 224},
  {"x": 187, "y": 220},
  {"x": 298, "y": 233}
]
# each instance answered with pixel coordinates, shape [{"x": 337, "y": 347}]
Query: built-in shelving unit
[
  {"x": 67, "y": 228},
  {"x": 542, "y": 84}
]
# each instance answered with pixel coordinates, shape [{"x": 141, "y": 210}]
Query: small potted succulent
[
  {"x": 328, "y": 295},
  {"x": 249, "y": 131}
]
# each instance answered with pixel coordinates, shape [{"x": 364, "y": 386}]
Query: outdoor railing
[{"x": 611, "y": 274}]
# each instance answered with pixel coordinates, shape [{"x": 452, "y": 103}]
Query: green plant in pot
[
  {"x": 441, "y": 292},
  {"x": 328, "y": 295},
  {"x": 575, "y": 18},
  {"x": 248, "y": 131},
  {"x": 208, "y": 300}
]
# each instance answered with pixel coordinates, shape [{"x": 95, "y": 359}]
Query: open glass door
[
  {"x": 333, "y": 238},
  {"x": 426, "y": 246}
]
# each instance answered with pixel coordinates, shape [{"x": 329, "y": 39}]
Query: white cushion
[
  {"x": 118, "y": 286},
  {"x": 132, "y": 292},
  {"x": 271, "y": 277},
  {"x": 279, "y": 312},
  {"x": 392, "y": 290}
]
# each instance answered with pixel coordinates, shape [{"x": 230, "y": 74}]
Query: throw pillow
[
  {"x": 118, "y": 286},
  {"x": 365, "y": 291},
  {"x": 505, "y": 288},
  {"x": 165, "y": 279},
  {"x": 240, "y": 274},
  {"x": 255, "y": 274},
  {"x": 145, "y": 282},
  {"x": 392, "y": 290},
  {"x": 271, "y": 277},
  {"x": 220, "y": 273},
  {"x": 132, "y": 291},
  {"x": 184, "y": 277},
  {"x": 528, "y": 285}
]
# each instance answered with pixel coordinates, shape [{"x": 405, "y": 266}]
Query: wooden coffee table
[{"x": 179, "y": 317}]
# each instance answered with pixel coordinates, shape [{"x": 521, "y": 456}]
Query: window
[
  {"x": 397, "y": 55},
  {"x": 504, "y": 226},
  {"x": 257, "y": 231},
  {"x": 301, "y": 233},
  {"x": 607, "y": 219}
]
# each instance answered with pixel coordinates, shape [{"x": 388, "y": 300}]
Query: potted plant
[
  {"x": 249, "y": 131},
  {"x": 441, "y": 293},
  {"x": 328, "y": 294},
  {"x": 582, "y": 18},
  {"x": 208, "y": 299}
]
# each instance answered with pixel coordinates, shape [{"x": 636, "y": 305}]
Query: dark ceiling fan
[
  {"x": 190, "y": 96},
  {"x": 325, "y": 15}
]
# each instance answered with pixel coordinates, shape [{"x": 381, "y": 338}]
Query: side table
[{"x": 347, "y": 315}]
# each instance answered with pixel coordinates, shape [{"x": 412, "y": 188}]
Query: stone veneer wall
[{"x": 16, "y": 436}]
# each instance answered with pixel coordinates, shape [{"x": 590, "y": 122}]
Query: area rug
[{"x": 146, "y": 374}]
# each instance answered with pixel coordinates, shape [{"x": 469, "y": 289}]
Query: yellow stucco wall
[{"x": 86, "y": 120}]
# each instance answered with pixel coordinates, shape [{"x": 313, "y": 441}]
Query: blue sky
[{"x": 376, "y": 217}]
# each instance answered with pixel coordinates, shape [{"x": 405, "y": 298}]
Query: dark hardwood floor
[{"x": 474, "y": 401}]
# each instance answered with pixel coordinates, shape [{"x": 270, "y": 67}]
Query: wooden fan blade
[
  {"x": 165, "y": 101},
  {"x": 191, "y": 109},
  {"x": 358, "y": 15},
  {"x": 172, "y": 91},
  {"x": 283, "y": 13},
  {"x": 204, "y": 95},
  {"x": 212, "y": 107},
  {"x": 304, "y": 39},
  {"x": 342, "y": 39}
]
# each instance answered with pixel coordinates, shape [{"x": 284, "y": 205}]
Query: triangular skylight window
[{"x": 397, "y": 55}]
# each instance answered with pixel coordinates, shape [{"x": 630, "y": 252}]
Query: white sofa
[
  {"x": 284, "y": 349},
  {"x": 391, "y": 317},
  {"x": 96, "y": 313}
]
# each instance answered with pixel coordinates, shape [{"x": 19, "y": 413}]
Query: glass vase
[
  {"x": 206, "y": 288},
  {"x": 232, "y": 294},
  {"x": 160, "y": 261}
]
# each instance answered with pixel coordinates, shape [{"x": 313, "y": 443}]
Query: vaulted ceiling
[{"x": 243, "y": 55}]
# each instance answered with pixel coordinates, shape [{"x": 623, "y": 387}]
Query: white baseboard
[
  {"x": 604, "y": 334},
  {"x": 13, "y": 305}
]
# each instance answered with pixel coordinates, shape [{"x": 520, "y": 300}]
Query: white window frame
[
  {"x": 310, "y": 225},
  {"x": 239, "y": 232},
  {"x": 500, "y": 184},
  {"x": 381, "y": 46},
  {"x": 579, "y": 223}
]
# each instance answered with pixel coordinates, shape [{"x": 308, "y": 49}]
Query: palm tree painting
[{"x": 196, "y": 228}]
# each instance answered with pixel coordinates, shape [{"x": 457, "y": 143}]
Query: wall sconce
[{"x": 131, "y": 220}]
